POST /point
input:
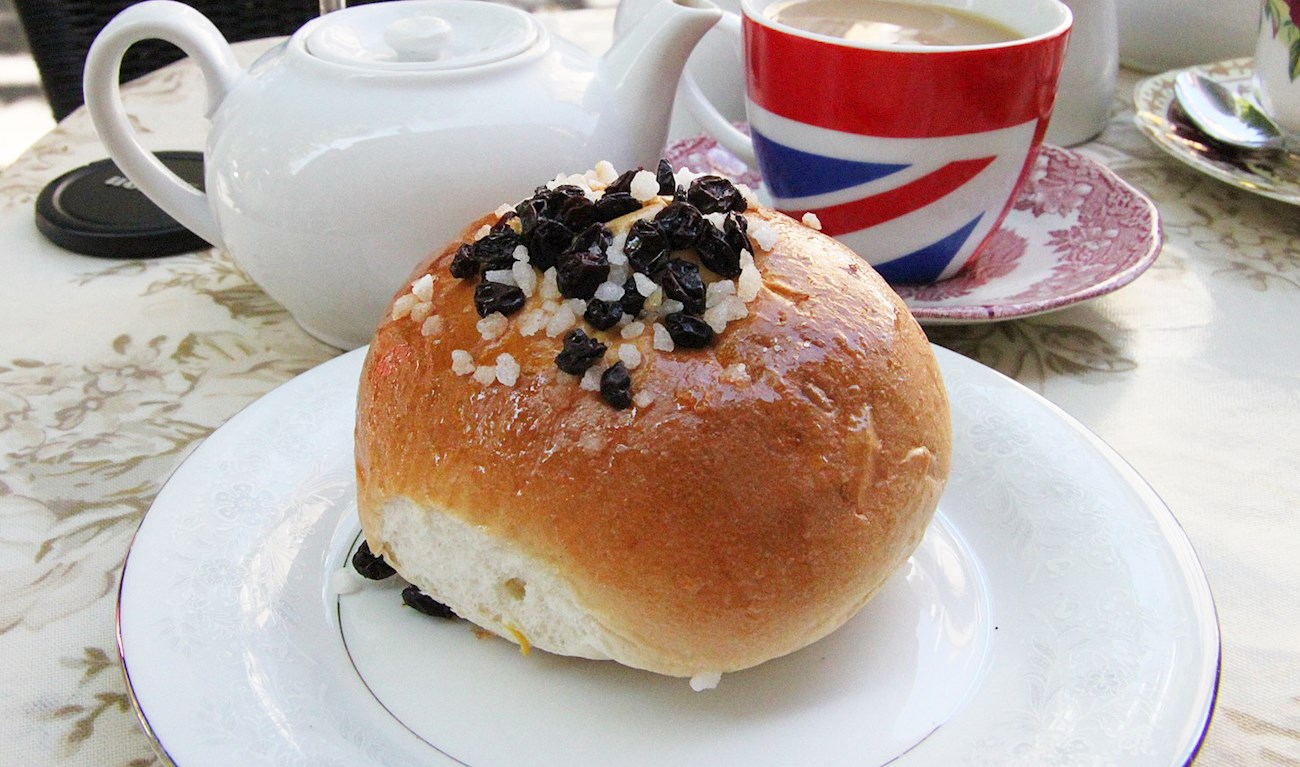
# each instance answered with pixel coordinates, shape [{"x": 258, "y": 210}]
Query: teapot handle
[
  {"x": 193, "y": 33},
  {"x": 707, "y": 115}
]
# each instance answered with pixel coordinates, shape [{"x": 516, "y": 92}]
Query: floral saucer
[
  {"x": 1158, "y": 115},
  {"x": 1076, "y": 231}
]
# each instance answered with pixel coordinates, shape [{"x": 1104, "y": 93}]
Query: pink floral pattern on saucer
[{"x": 1076, "y": 231}]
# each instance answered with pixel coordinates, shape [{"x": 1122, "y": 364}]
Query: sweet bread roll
[{"x": 726, "y": 472}]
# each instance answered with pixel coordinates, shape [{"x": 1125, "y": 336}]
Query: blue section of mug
[
  {"x": 925, "y": 265},
  {"x": 795, "y": 173}
]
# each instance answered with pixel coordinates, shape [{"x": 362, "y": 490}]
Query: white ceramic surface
[
  {"x": 1277, "y": 64},
  {"x": 1155, "y": 111},
  {"x": 717, "y": 66},
  {"x": 1054, "y": 607},
  {"x": 325, "y": 157},
  {"x": 1087, "y": 84},
  {"x": 1155, "y": 35}
]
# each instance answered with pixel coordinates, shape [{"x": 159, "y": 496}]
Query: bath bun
[{"x": 755, "y": 496}]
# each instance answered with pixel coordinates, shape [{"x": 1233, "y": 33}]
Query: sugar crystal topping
[{"x": 613, "y": 267}]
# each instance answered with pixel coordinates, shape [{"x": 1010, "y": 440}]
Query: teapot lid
[{"x": 422, "y": 35}]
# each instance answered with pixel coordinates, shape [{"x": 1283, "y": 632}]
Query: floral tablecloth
[{"x": 112, "y": 372}]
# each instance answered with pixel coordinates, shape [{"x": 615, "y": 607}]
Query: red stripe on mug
[
  {"x": 871, "y": 211},
  {"x": 908, "y": 92}
]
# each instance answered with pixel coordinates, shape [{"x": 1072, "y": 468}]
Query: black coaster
[{"x": 96, "y": 211}]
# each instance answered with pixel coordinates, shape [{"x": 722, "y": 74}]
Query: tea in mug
[{"x": 885, "y": 22}]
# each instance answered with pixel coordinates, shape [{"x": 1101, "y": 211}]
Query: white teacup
[{"x": 1277, "y": 62}]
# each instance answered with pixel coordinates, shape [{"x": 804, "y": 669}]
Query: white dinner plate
[{"x": 1055, "y": 613}]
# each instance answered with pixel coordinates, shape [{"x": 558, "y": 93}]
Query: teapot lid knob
[
  {"x": 422, "y": 35},
  {"x": 418, "y": 38}
]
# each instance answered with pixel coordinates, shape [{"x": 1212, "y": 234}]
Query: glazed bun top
[{"x": 760, "y": 443}]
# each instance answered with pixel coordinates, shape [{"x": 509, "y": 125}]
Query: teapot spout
[{"x": 642, "y": 68}]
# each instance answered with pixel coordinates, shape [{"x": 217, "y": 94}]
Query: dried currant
[
  {"x": 718, "y": 254},
  {"x": 579, "y": 271},
  {"x": 632, "y": 301},
  {"x": 601, "y": 314},
  {"x": 664, "y": 175},
  {"x": 687, "y": 331},
  {"x": 715, "y": 194},
  {"x": 623, "y": 184},
  {"x": 370, "y": 565},
  {"x": 616, "y": 386},
  {"x": 594, "y": 239},
  {"x": 463, "y": 263},
  {"x": 555, "y": 199},
  {"x": 612, "y": 206},
  {"x": 736, "y": 230},
  {"x": 423, "y": 603},
  {"x": 577, "y": 275},
  {"x": 530, "y": 211},
  {"x": 579, "y": 353},
  {"x": 681, "y": 223},
  {"x": 720, "y": 250},
  {"x": 577, "y": 212},
  {"x": 496, "y": 250},
  {"x": 492, "y": 297},
  {"x": 558, "y": 204},
  {"x": 503, "y": 222},
  {"x": 681, "y": 281},
  {"x": 546, "y": 240},
  {"x": 646, "y": 248}
]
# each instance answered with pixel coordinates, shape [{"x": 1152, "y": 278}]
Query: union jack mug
[{"x": 910, "y": 154}]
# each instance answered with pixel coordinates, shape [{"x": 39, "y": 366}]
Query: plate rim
[{"x": 1173, "y": 535}]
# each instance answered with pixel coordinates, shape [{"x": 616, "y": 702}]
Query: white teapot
[
  {"x": 716, "y": 69},
  {"x": 374, "y": 134}
]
